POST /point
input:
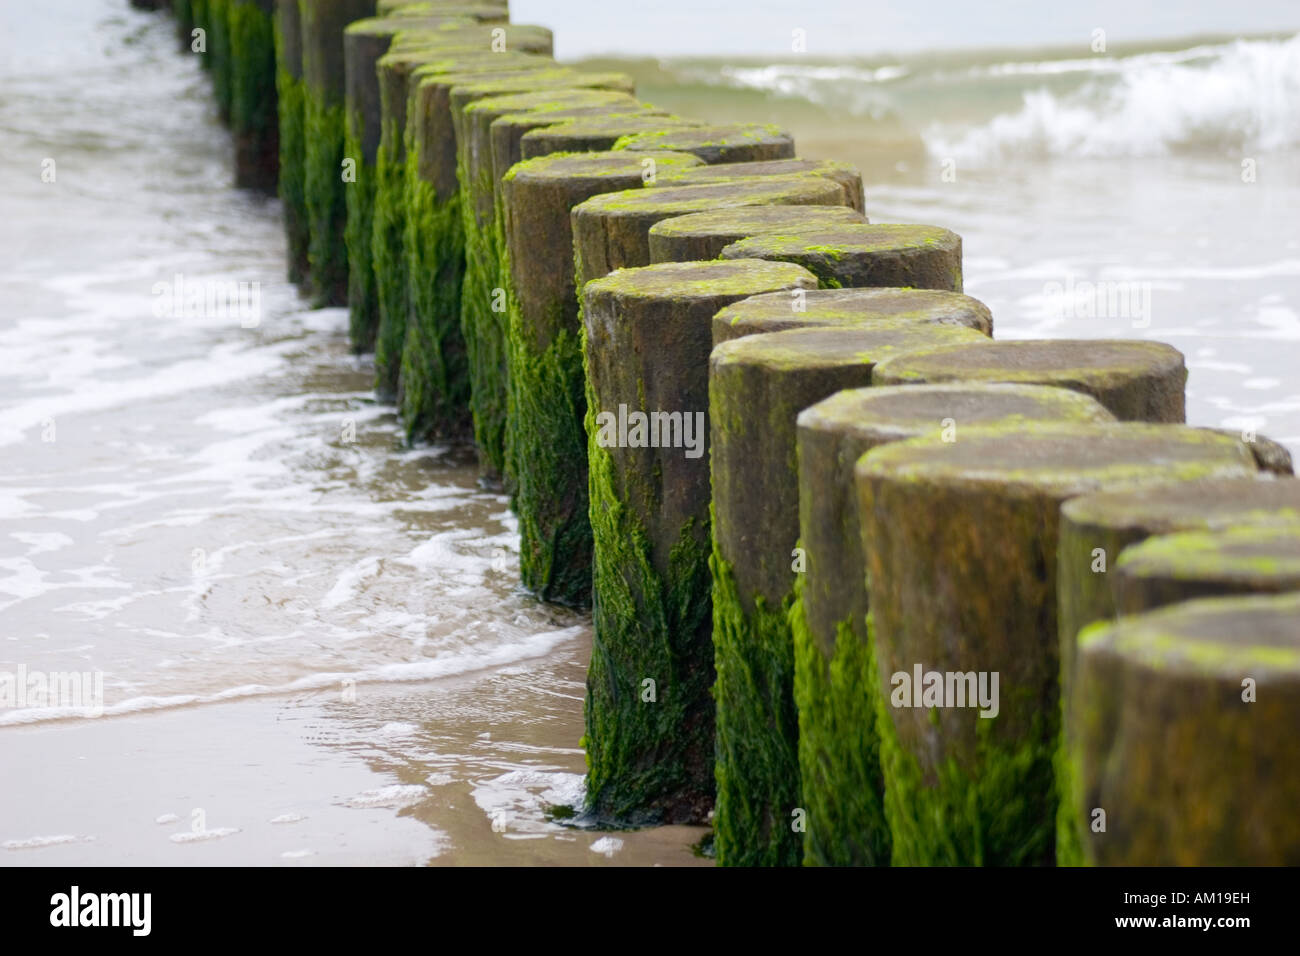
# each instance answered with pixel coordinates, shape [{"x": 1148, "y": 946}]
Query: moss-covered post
[
  {"x": 326, "y": 177},
  {"x": 183, "y": 11},
  {"x": 703, "y": 235},
  {"x": 649, "y": 716},
  {"x": 1271, "y": 456},
  {"x": 392, "y": 196},
  {"x": 593, "y": 134},
  {"x": 546, "y": 439},
  {"x": 1095, "y": 529},
  {"x": 835, "y": 686},
  {"x": 606, "y": 96},
  {"x": 253, "y": 116},
  {"x": 846, "y": 174},
  {"x": 859, "y": 255},
  {"x": 840, "y": 307},
  {"x": 433, "y": 394},
  {"x": 757, "y": 387},
  {"x": 960, "y": 540},
  {"x": 375, "y": 128},
  {"x": 1173, "y": 568},
  {"x": 1183, "y": 735},
  {"x": 1138, "y": 381},
  {"x": 217, "y": 58},
  {"x": 290, "y": 106},
  {"x": 733, "y": 143},
  {"x": 507, "y": 132},
  {"x": 484, "y": 301},
  {"x": 612, "y": 231}
]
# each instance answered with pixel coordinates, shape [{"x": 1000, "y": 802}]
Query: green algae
[
  {"x": 218, "y": 56},
  {"x": 363, "y": 307},
  {"x": 434, "y": 398},
  {"x": 757, "y": 768},
  {"x": 291, "y": 104},
  {"x": 253, "y": 109},
  {"x": 646, "y": 760},
  {"x": 325, "y": 194},
  {"x": 546, "y": 441},
  {"x": 997, "y": 815},
  {"x": 839, "y": 747}
]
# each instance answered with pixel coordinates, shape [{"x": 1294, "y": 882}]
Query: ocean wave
[{"x": 1237, "y": 98}]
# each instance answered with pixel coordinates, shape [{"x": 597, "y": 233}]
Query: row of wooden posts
[{"x": 867, "y": 586}]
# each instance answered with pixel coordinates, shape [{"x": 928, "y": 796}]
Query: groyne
[{"x": 868, "y": 586}]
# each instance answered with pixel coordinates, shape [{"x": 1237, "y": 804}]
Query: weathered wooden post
[
  {"x": 841, "y": 307},
  {"x": 835, "y": 682},
  {"x": 612, "y": 231},
  {"x": 649, "y": 716},
  {"x": 1172, "y": 568},
  {"x": 253, "y": 116},
  {"x": 594, "y": 134},
  {"x": 730, "y": 143},
  {"x": 375, "y": 128},
  {"x": 326, "y": 176},
  {"x": 846, "y": 174},
  {"x": 858, "y": 255},
  {"x": 1095, "y": 529},
  {"x": 1138, "y": 381},
  {"x": 1182, "y": 733},
  {"x": 703, "y": 235},
  {"x": 290, "y": 108},
  {"x": 961, "y": 541},
  {"x": 758, "y": 385},
  {"x": 546, "y": 440}
]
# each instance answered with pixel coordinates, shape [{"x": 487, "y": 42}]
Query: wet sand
[{"x": 446, "y": 773}]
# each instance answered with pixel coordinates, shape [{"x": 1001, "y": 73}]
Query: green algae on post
[
  {"x": 375, "y": 129},
  {"x": 1182, "y": 731},
  {"x": 545, "y": 438},
  {"x": 703, "y": 235},
  {"x": 839, "y": 307},
  {"x": 846, "y": 174},
  {"x": 734, "y": 143},
  {"x": 1097, "y": 528},
  {"x": 293, "y": 142},
  {"x": 860, "y": 255},
  {"x": 1137, "y": 380},
  {"x": 960, "y": 540},
  {"x": 507, "y": 132},
  {"x": 757, "y": 387},
  {"x": 217, "y": 59},
  {"x": 593, "y": 135},
  {"x": 434, "y": 391},
  {"x": 1170, "y": 569},
  {"x": 326, "y": 177},
  {"x": 649, "y": 716},
  {"x": 836, "y": 687},
  {"x": 387, "y": 260},
  {"x": 612, "y": 231},
  {"x": 482, "y": 301},
  {"x": 253, "y": 118}
]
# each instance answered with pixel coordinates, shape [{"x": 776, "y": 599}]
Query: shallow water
[{"x": 210, "y": 509}]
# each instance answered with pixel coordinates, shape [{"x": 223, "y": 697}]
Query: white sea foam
[
  {"x": 40, "y": 842},
  {"x": 1236, "y": 98},
  {"x": 394, "y": 796},
  {"x": 203, "y": 836}
]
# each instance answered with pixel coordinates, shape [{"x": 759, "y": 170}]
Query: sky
[{"x": 836, "y": 27}]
